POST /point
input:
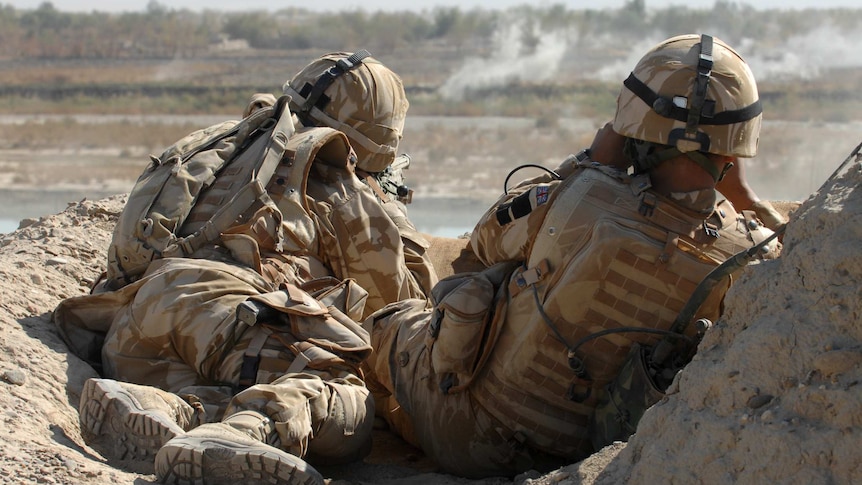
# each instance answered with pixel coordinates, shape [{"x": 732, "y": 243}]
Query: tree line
[{"x": 163, "y": 32}]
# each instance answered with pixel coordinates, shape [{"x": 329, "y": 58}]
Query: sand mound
[{"x": 772, "y": 396}]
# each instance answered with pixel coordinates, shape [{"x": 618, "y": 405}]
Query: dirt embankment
[{"x": 772, "y": 396}]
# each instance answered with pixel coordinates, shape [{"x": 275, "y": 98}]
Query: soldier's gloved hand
[{"x": 770, "y": 217}]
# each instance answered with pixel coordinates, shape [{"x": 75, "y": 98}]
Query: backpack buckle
[{"x": 710, "y": 230}]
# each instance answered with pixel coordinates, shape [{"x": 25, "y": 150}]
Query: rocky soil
[{"x": 772, "y": 396}]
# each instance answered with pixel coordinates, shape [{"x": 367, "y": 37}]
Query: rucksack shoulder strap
[
  {"x": 288, "y": 187},
  {"x": 244, "y": 198}
]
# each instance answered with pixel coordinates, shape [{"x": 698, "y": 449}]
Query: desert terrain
[{"x": 772, "y": 395}]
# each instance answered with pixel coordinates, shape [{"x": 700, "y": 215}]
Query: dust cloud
[{"x": 521, "y": 52}]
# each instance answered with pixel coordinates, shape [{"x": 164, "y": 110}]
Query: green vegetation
[
  {"x": 166, "y": 33},
  {"x": 168, "y": 61}
]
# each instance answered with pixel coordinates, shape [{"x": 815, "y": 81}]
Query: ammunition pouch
[{"x": 625, "y": 400}]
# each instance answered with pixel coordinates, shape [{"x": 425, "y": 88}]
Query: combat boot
[
  {"x": 237, "y": 450},
  {"x": 130, "y": 422}
]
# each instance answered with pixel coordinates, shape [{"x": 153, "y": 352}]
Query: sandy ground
[
  {"x": 771, "y": 397},
  {"x": 58, "y": 256}
]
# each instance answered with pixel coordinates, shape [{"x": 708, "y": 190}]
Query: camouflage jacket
[
  {"x": 324, "y": 224},
  {"x": 598, "y": 250}
]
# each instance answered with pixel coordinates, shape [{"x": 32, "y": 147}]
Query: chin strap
[{"x": 647, "y": 155}]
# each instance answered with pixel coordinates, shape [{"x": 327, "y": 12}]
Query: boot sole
[
  {"x": 113, "y": 421},
  {"x": 215, "y": 461}
]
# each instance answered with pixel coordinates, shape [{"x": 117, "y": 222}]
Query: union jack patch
[{"x": 541, "y": 195}]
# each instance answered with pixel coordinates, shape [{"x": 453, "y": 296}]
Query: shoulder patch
[{"x": 541, "y": 194}]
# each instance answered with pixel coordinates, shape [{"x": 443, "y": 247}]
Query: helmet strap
[
  {"x": 326, "y": 79},
  {"x": 701, "y": 83},
  {"x": 646, "y": 155},
  {"x": 708, "y": 165}
]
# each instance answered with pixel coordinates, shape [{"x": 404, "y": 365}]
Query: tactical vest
[{"x": 610, "y": 254}]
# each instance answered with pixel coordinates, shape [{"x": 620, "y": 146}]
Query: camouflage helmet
[
  {"x": 357, "y": 95},
  {"x": 694, "y": 93}
]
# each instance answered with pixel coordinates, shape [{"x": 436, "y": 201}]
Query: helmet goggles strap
[
  {"x": 327, "y": 78},
  {"x": 705, "y": 115},
  {"x": 699, "y": 111}
]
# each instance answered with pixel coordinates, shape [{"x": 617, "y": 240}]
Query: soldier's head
[
  {"x": 357, "y": 95},
  {"x": 692, "y": 95}
]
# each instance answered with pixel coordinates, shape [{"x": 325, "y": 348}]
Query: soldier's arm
[
  {"x": 734, "y": 186},
  {"x": 505, "y": 231}
]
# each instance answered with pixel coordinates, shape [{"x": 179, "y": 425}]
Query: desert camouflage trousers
[
  {"x": 179, "y": 334},
  {"x": 453, "y": 429}
]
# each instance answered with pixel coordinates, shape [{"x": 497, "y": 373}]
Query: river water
[
  {"x": 448, "y": 217},
  {"x": 794, "y": 159}
]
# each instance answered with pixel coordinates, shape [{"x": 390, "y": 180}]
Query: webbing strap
[
  {"x": 325, "y": 80},
  {"x": 245, "y": 197},
  {"x": 701, "y": 83},
  {"x": 565, "y": 202},
  {"x": 527, "y": 277},
  {"x": 664, "y": 106},
  {"x": 372, "y": 182},
  {"x": 347, "y": 401},
  {"x": 300, "y": 362},
  {"x": 251, "y": 358}
]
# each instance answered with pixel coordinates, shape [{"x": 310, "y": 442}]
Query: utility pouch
[
  {"x": 626, "y": 399},
  {"x": 458, "y": 323},
  {"x": 463, "y": 323}
]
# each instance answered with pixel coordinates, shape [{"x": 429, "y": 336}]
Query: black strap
[
  {"x": 326, "y": 79},
  {"x": 520, "y": 207},
  {"x": 701, "y": 83},
  {"x": 665, "y": 107},
  {"x": 248, "y": 371}
]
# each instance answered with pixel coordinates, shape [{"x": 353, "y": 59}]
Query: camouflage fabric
[
  {"x": 180, "y": 333},
  {"x": 453, "y": 429},
  {"x": 324, "y": 416},
  {"x": 359, "y": 240},
  {"x": 598, "y": 250},
  {"x": 176, "y": 328},
  {"x": 628, "y": 396},
  {"x": 367, "y": 103},
  {"x": 670, "y": 69},
  {"x": 415, "y": 245},
  {"x": 180, "y": 328},
  {"x": 168, "y": 191}
]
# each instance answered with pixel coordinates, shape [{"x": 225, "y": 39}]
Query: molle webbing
[
  {"x": 260, "y": 168},
  {"x": 599, "y": 265},
  {"x": 662, "y": 214}
]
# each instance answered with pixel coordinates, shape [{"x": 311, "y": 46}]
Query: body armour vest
[{"x": 610, "y": 253}]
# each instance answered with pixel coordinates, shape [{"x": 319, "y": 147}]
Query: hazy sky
[{"x": 392, "y": 5}]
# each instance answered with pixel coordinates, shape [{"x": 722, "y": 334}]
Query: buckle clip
[{"x": 710, "y": 230}]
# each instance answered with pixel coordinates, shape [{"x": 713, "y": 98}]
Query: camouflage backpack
[{"x": 153, "y": 223}]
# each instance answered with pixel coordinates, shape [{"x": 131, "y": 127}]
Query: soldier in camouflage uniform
[
  {"x": 503, "y": 374},
  {"x": 375, "y": 144},
  {"x": 285, "y": 384}
]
